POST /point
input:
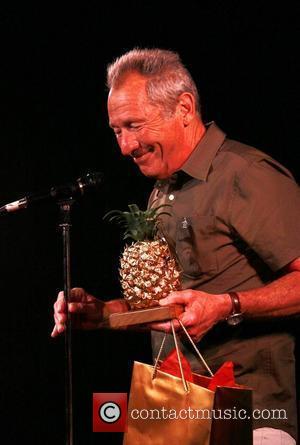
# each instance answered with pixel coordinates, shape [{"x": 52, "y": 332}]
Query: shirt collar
[{"x": 199, "y": 162}]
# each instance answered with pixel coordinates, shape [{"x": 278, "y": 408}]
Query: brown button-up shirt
[{"x": 234, "y": 224}]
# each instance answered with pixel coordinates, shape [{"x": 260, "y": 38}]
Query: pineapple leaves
[{"x": 139, "y": 225}]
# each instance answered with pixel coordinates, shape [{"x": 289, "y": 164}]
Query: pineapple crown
[{"x": 139, "y": 225}]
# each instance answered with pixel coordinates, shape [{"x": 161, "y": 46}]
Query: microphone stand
[
  {"x": 64, "y": 225},
  {"x": 64, "y": 196}
]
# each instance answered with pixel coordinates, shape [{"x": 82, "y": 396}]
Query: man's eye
[{"x": 134, "y": 127}]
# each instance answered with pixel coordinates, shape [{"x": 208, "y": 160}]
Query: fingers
[
  {"x": 79, "y": 302},
  {"x": 179, "y": 297},
  {"x": 200, "y": 312},
  {"x": 59, "y": 315},
  {"x": 85, "y": 311},
  {"x": 78, "y": 294},
  {"x": 60, "y": 305},
  {"x": 82, "y": 308},
  {"x": 60, "y": 308},
  {"x": 54, "y": 332},
  {"x": 165, "y": 326},
  {"x": 189, "y": 318},
  {"x": 58, "y": 329}
]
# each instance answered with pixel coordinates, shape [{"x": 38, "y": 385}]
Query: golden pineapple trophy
[{"x": 148, "y": 271}]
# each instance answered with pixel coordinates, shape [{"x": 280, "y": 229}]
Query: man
[{"x": 234, "y": 226}]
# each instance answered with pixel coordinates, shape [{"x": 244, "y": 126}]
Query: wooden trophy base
[{"x": 141, "y": 316}]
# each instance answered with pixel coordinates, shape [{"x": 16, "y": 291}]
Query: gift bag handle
[
  {"x": 185, "y": 385},
  {"x": 195, "y": 348},
  {"x": 184, "y": 382}
]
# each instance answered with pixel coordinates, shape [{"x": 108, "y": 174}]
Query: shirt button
[{"x": 171, "y": 197}]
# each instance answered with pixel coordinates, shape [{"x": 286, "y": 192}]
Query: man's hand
[
  {"x": 201, "y": 311},
  {"x": 86, "y": 311}
]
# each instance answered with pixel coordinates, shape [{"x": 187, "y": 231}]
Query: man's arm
[
  {"x": 277, "y": 299},
  {"x": 202, "y": 310}
]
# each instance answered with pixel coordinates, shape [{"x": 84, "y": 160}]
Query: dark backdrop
[{"x": 244, "y": 58}]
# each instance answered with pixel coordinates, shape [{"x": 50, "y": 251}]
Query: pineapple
[{"x": 147, "y": 270}]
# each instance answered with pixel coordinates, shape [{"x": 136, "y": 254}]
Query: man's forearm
[{"x": 279, "y": 298}]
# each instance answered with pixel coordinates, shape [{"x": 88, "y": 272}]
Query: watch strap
[
  {"x": 236, "y": 315},
  {"x": 236, "y": 304}
]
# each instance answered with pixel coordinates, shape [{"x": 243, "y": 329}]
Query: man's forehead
[
  {"x": 122, "y": 99},
  {"x": 130, "y": 94}
]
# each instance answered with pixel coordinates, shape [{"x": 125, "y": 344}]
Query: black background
[{"x": 244, "y": 59}]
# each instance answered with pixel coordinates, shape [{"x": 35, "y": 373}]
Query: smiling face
[{"x": 156, "y": 141}]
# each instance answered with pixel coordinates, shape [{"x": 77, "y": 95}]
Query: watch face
[{"x": 234, "y": 319}]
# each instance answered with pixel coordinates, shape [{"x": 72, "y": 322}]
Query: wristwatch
[{"x": 236, "y": 315}]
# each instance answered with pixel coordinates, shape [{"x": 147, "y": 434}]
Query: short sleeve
[{"x": 265, "y": 212}]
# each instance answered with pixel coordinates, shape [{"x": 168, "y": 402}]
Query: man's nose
[{"x": 128, "y": 143}]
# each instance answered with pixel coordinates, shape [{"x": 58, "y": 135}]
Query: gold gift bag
[
  {"x": 157, "y": 398},
  {"x": 152, "y": 400},
  {"x": 165, "y": 410}
]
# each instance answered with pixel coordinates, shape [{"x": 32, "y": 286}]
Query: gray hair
[{"x": 168, "y": 77}]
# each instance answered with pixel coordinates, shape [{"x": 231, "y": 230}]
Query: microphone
[{"x": 59, "y": 193}]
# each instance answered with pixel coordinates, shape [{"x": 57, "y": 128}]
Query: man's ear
[{"x": 186, "y": 107}]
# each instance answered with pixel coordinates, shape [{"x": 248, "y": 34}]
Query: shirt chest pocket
[{"x": 196, "y": 245}]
